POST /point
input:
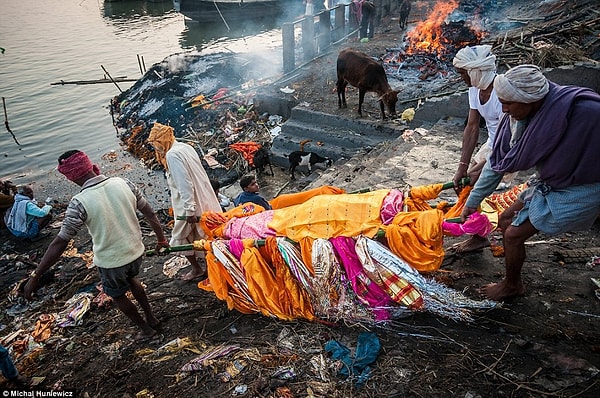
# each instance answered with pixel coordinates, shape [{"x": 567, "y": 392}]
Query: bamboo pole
[
  {"x": 96, "y": 81},
  {"x": 140, "y": 64},
  {"x": 6, "y": 122},
  {"x": 113, "y": 80}
]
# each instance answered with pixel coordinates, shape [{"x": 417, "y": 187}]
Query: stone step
[{"x": 330, "y": 136}]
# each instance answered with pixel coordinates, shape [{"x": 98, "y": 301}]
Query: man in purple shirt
[{"x": 556, "y": 130}]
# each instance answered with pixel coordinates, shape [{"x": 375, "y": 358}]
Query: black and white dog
[{"x": 309, "y": 159}]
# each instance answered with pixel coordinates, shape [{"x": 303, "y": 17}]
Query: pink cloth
[
  {"x": 236, "y": 247},
  {"x": 251, "y": 227},
  {"x": 366, "y": 290},
  {"x": 477, "y": 224},
  {"x": 76, "y": 166},
  {"x": 392, "y": 205}
]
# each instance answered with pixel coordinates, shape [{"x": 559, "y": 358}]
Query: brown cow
[{"x": 366, "y": 74}]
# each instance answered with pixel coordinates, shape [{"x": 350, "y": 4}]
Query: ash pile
[{"x": 207, "y": 99}]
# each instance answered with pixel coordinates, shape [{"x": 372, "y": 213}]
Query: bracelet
[
  {"x": 463, "y": 163},
  {"x": 162, "y": 242},
  {"x": 33, "y": 274}
]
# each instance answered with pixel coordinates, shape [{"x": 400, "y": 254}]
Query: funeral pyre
[
  {"x": 207, "y": 99},
  {"x": 428, "y": 48}
]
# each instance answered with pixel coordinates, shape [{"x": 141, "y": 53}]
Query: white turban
[
  {"x": 479, "y": 63},
  {"x": 523, "y": 83}
]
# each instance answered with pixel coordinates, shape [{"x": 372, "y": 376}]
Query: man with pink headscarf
[
  {"x": 107, "y": 207},
  {"x": 556, "y": 130}
]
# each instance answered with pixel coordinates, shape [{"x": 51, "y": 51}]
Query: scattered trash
[
  {"x": 233, "y": 369},
  {"x": 145, "y": 393},
  {"x": 75, "y": 309},
  {"x": 201, "y": 361},
  {"x": 367, "y": 350},
  {"x": 287, "y": 373},
  {"x": 597, "y": 283},
  {"x": 408, "y": 114},
  {"x": 172, "y": 266},
  {"x": 240, "y": 389},
  {"x": 287, "y": 90}
]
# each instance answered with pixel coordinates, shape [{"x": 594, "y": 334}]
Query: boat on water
[{"x": 212, "y": 11}]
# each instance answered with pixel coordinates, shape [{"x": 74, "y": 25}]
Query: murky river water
[{"x": 48, "y": 41}]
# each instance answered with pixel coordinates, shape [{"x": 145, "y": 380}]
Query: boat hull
[{"x": 209, "y": 11}]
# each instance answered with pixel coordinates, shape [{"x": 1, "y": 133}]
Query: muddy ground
[{"x": 546, "y": 343}]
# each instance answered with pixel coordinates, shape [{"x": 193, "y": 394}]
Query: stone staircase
[
  {"x": 331, "y": 136},
  {"x": 418, "y": 159}
]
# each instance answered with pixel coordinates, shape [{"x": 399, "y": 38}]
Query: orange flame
[{"x": 427, "y": 35}]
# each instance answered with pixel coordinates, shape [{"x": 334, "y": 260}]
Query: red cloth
[
  {"x": 247, "y": 149},
  {"x": 76, "y": 166}
]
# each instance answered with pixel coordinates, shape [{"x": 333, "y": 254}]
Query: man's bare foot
[
  {"x": 145, "y": 335},
  {"x": 154, "y": 323},
  {"x": 472, "y": 244},
  {"x": 21, "y": 381},
  {"x": 502, "y": 290},
  {"x": 194, "y": 275}
]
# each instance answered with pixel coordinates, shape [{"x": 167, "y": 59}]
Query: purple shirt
[{"x": 562, "y": 139}]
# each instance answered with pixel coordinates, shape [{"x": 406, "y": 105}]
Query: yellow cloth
[
  {"x": 292, "y": 199},
  {"x": 161, "y": 138},
  {"x": 273, "y": 287},
  {"x": 326, "y": 216},
  {"x": 418, "y": 197},
  {"x": 222, "y": 284},
  {"x": 417, "y": 238}
]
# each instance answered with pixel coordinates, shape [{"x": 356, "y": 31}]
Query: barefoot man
[
  {"x": 477, "y": 67},
  {"x": 107, "y": 207},
  {"x": 555, "y": 129},
  {"x": 191, "y": 192}
]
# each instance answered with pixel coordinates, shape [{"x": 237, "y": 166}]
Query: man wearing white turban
[
  {"x": 477, "y": 67},
  {"x": 555, "y": 129}
]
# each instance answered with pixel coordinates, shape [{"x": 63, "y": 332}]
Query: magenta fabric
[
  {"x": 76, "y": 166},
  {"x": 251, "y": 227},
  {"x": 236, "y": 247},
  {"x": 477, "y": 224},
  {"x": 392, "y": 205},
  {"x": 366, "y": 290}
]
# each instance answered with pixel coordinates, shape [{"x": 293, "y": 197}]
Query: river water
[{"x": 70, "y": 40}]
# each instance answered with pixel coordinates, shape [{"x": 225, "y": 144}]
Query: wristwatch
[{"x": 33, "y": 274}]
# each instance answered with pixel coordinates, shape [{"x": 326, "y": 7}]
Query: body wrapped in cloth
[{"x": 321, "y": 258}]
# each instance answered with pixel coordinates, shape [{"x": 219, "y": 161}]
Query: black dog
[
  {"x": 309, "y": 159},
  {"x": 261, "y": 159}
]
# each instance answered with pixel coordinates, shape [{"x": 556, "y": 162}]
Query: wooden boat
[{"x": 214, "y": 11}]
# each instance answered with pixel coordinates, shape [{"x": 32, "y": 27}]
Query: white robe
[{"x": 191, "y": 192}]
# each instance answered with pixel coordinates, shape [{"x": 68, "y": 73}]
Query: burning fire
[{"x": 431, "y": 36}]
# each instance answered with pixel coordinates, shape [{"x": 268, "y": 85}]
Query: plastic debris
[
  {"x": 234, "y": 368},
  {"x": 75, "y": 309},
  {"x": 367, "y": 350},
  {"x": 43, "y": 328},
  {"x": 240, "y": 389},
  {"x": 145, "y": 393},
  {"x": 174, "y": 264},
  {"x": 201, "y": 361},
  {"x": 408, "y": 114},
  {"x": 287, "y": 90}
]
